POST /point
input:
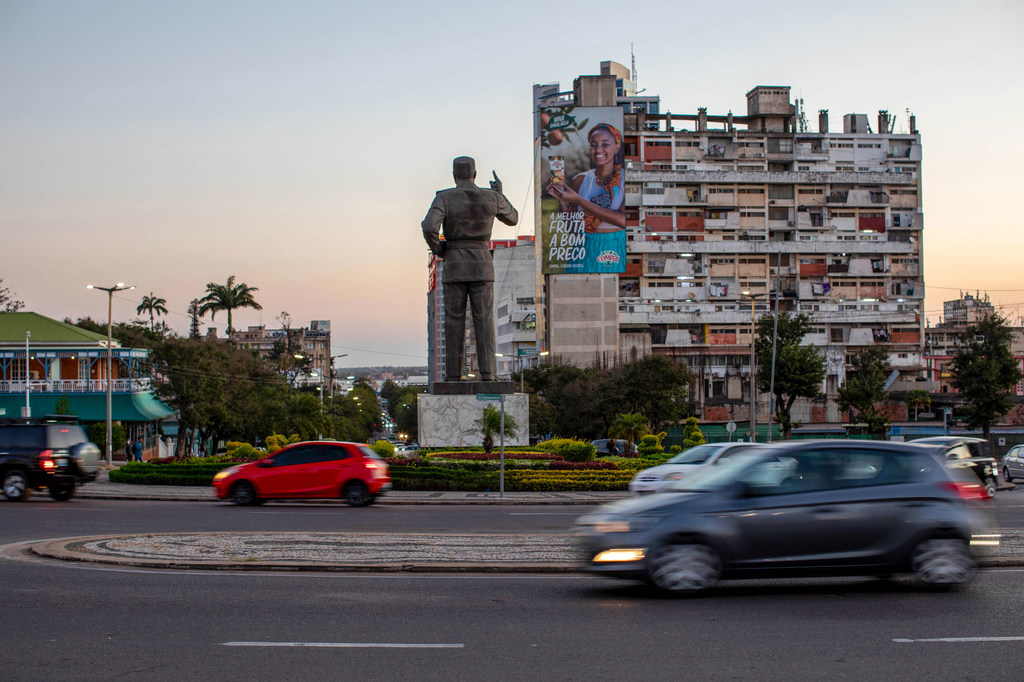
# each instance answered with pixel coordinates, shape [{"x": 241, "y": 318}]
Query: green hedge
[{"x": 528, "y": 478}]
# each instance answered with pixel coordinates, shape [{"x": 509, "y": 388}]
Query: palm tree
[
  {"x": 152, "y": 304},
  {"x": 227, "y": 297},
  {"x": 917, "y": 398},
  {"x": 632, "y": 427},
  {"x": 489, "y": 424}
]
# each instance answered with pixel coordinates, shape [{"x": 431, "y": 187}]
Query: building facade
[
  {"x": 312, "y": 342},
  {"x": 730, "y": 216}
]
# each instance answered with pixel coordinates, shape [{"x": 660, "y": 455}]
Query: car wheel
[
  {"x": 990, "y": 486},
  {"x": 1006, "y": 475},
  {"x": 357, "y": 495},
  {"x": 942, "y": 562},
  {"x": 62, "y": 493},
  {"x": 16, "y": 487},
  {"x": 242, "y": 493},
  {"x": 684, "y": 568}
]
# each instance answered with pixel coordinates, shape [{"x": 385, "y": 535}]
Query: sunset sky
[{"x": 297, "y": 146}]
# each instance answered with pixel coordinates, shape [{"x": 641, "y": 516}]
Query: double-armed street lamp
[{"x": 120, "y": 286}]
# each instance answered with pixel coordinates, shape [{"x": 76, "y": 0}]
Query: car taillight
[
  {"x": 370, "y": 464},
  {"x": 967, "y": 491},
  {"x": 46, "y": 460}
]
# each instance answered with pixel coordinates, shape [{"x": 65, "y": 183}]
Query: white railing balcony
[{"x": 75, "y": 385}]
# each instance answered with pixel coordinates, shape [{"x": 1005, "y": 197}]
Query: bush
[
  {"x": 383, "y": 448},
  {"x": 650, "y": 445},
  {"x": 98, "y": 435},
  {"x": 692, "y": 435},
  {"x": 570, "y": 449},
  {"x": 276, "y": 441},
  {"x": 675, "y": 449},
  {"x": 243, "y": 452}
]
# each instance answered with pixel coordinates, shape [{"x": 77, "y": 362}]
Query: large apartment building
[{"x": 729, "y": 215}]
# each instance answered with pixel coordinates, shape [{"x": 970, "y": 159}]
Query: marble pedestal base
[{"x": 447, "y": 420}]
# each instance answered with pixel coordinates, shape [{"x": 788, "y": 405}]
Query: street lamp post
[
  {"x": 109, "y": 374},
  {"x": 330, "y": 374},
  {"x": 27, "y": 412},
  {"x": 753, "y": 367}
]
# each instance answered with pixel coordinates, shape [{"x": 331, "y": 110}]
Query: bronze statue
[{"x": 465, "y": 215}]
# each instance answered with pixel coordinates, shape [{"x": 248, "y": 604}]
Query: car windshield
[
  {"x": 718, "y": 476},
  {"x": 695, "y": 455}
]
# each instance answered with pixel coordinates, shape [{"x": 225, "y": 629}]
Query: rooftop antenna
[
  {"x": 801, "y": 116},
  {"x": 632, "y": 64}
]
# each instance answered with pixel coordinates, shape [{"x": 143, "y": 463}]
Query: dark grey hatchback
[{"x": 800, "y": 508}]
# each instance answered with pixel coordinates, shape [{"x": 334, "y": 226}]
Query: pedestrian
[
  {"x": 137, "y": 450},
  {"x": 128, "y": 450}
]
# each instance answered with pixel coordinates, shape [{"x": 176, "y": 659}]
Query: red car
[{"x": 350, "y": 471}]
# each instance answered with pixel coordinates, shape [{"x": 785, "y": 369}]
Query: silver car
[
  {"x": 1013, "y": 463},
  {"x": 833, "y": 507},
  {"x": 687, "y": 462}
]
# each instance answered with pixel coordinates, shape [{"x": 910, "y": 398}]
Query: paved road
[{"x": 69, "y": 621}]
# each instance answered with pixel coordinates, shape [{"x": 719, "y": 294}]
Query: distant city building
[
  {"x": 943, "y": 340},
  {"x": 313, "y": 342},
  {"x": 826, "y": 223},
  {"x": 966, "y": 310}
]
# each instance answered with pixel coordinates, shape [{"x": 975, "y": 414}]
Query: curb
[{"x": 70, "y": 549}]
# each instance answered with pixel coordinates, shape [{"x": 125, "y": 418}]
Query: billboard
[{"x": 582, "y": 190}]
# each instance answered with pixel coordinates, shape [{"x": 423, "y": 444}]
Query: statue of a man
[{"x": 465, "y": 215}]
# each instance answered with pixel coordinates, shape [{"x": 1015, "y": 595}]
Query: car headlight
[
  {"x": 672, "y": 476},
  {"x": 221, "y": 475}
]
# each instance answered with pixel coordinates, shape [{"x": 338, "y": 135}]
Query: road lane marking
[
  {"x": 348, "y": 645},
  {"x": 961, "y": 639},
  {"x": 545, "y": 514}
]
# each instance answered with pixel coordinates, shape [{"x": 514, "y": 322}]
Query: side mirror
[{"x": 265, "y": 463}]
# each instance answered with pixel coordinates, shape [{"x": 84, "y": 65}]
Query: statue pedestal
[{"x": 447, "y": 419}]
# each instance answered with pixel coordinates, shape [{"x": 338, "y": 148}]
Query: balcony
[{"x": 75, "y": 385}]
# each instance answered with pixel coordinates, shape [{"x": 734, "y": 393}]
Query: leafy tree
[
  {"x": 221, "y": 391},
  {"x": 654, "y": 386},
  {"x": 569, "y": 401},
  {"x": 403, "y": 410},
  {"x": 305, "y": 416},
  {"x": 229, "y": 296},
  {"x": 490, "y": 423},
  {"x": 865, "y": 388},
  {"x": 193, "y": 319},
  {"x": 9, "y": 304},
  {"x": 63, "y": 405},
  {"x": 799, "y": 369},
  {"x": 152, "y": 304},
  {"x": 917, "y": 398},
  {"x": 98, "y": 435},
  {"x": 631, "y": 426},
  {"x": 574, "y": 401},
  {"x": 984, "y": 372},
  {"x": 692, "y": 435}
]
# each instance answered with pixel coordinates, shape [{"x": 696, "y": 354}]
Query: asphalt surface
[{"x": 360, "y": 552}]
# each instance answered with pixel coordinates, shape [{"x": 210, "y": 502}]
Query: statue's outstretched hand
[{"x": 495, "y": 183}]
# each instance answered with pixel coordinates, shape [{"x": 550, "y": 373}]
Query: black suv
[
  {"x": 964, "y": 452},
  {"x": 49, "y": 453}
]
